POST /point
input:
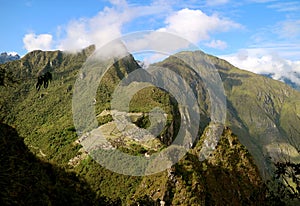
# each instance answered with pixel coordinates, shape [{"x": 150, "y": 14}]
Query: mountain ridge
[
  {"x": 6, "y": 57},
  {"x": 45, "y": 121}
]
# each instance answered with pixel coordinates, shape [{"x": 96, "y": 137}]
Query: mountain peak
[
  {"x": 262, "y": 120},
  {"x": 7, "y": 57}
]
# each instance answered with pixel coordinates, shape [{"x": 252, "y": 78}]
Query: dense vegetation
[
  {"x": 40, "y": 154},
  {"x": 28, "y": 180}
]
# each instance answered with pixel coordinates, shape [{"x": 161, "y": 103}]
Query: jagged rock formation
[
  {"x": 260, "y": 112},
  {"x": 5, "y": 57}
]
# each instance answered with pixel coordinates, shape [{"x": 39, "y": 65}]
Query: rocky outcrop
[{"x": 5, "y": 57}]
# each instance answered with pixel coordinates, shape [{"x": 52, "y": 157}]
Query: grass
[{"x": 44, "y": 121}]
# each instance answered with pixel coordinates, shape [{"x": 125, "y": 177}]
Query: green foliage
[
  {"x": 219, "y": 178},
  {"x": 115, "y": 186},
  {"x": 26, "y": 180},
  {"x": 259, "y": 110},
  {"x": 44, "y": 119},
  {"x": 134, "y": 149},
  {"x": 104, "y": 119},
  {"x": 284, "y": 189},
  {"x": 143, "y": 122}
]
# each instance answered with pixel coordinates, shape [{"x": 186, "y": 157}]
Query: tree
[{"x": 284, "y": 188}]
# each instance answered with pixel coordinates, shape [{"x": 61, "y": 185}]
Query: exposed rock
[
  {"x": 78, "y": 158},
  {"x": 5, "y": 57}
]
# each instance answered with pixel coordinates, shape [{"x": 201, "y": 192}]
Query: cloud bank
[
  {"x": 263, "y": 61},
  {"x": 217, "y": 44},
  {"x": 194, "y": 25},
  {"x": 100, "y": 29},
  {"x": 106, "y": 25},
  {"x": 34, "y": 42},
  {"x": 197, "y": 26}
]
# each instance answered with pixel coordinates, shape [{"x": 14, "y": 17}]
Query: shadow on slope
[{"x": 26, "y": 180}]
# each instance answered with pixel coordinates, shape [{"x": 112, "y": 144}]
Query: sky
[{"x": 262, "y": 36}]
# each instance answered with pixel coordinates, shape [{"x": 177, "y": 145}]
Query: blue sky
[{"x": 262, "y": 36}]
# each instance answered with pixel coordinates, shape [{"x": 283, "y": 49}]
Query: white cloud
[
  {"x": 106, "y": 25},
  {"x": 76, "y": 36},
  {"x": 217, "y": 44},
  {"x": 263, "y": 61},
  {"x": 196, "y": 26},
  {"x": 154, "y": 46},
  {"x": 100, "y": 29},
  {"x": 13, "y": 53},
  {"x": 150, "y": 58},
  {"x": 157, "y": 41},
  {"x": 34, "y": 42}
]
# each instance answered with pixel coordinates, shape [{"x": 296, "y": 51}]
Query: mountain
[
  {"x": 262, "y": 116},
  {"x": 287, "y": 80},
  {"x": 261, "y": 111},
  {"x": 27, "y": 180},
  {"x": 4, "y": 57}
]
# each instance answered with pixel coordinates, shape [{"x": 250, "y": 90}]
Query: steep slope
[
  {"x": 26, "y": 180},
  {"x": 44, "y": 120},
  {"x": 267, "y": 110},
  {"x": 287, "y": 80},
  {"x": 264, "y": 113},
  {"x": 228, "y": 177}
]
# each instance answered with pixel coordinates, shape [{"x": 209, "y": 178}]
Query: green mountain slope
[
  {"x": 228, "y": 177},
  {"x": 267, "y": 111},
  {"x": 263, "y": 113},
  {"x": 27, "y": 180}
]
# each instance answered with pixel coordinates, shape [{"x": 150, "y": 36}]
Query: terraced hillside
[{"x": 262, "y": 119}]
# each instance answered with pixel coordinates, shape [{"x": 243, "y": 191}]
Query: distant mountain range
[
  {"x": 5, "y": 57},
  {"x": 261, "y": 128},
  {"x": 287, "y": 80}
]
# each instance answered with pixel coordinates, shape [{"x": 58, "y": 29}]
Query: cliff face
[{"x": 261, "y": 113}]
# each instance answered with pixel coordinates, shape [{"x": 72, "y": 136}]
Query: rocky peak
[{"x": 6, "y": 57}]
